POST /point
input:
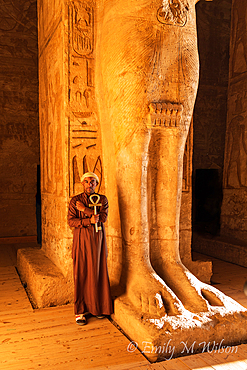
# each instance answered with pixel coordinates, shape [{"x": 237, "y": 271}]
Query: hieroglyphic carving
[
  {"x": 82, "y": 14},
  {"x": 164, "y": 114},
  {"x": 89, "y": 74},
  {"x": 51, "y": 103},
  {"x": 173, "y": 13},
  {"x": 168, "y": 115},
  {"x": 85, "y": 148},
  {"x": 239, "y": 39},
  {"x": 233, "y": 210},
  {"x": 236, "y": 147},
  {"x": 236, "y": 136},
  {"x": 236, "y": 140}
]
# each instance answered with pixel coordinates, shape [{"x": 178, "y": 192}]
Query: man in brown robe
[{"x": 89, "y": 253}]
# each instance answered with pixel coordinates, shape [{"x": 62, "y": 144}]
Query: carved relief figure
[
  {"x": 83, "y": 122},
  {"x": 236, "y": 141},
  {"x": 147, "y": 77},
  {"x": 239, "y": 33},
  {"x": 82, "y": 28}
]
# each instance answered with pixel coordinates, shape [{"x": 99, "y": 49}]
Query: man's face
[{"x": 89, "y": 184}]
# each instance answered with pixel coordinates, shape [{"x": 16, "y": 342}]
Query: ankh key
[{"x": 95, "y": 204}]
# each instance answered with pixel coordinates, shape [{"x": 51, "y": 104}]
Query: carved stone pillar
[{"x": 70, "y": 139}]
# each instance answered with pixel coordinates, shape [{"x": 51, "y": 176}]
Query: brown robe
[{"x": 89, "y": 253}]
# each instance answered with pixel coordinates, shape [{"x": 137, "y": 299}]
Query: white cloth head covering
[{"x": 90, "y": 174}]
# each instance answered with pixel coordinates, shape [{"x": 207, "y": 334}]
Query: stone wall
[
  {"x": 210, "y": 113},
  {"x": 19, "y": 133},
  {"x": 234, "y": 215},
  {"x": 213, "y": 27}
]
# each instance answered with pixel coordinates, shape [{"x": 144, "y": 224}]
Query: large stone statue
[
  {"x": 127, "y": 69},
  {"x": 147, "y": 76}
]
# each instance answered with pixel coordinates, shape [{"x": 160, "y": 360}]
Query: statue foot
[
  {"x": 195, "y": 295},
  {"x": 150, "y": 295},
  {"x": 208, "y": 292},
  {"x": 212, "y": 299}
]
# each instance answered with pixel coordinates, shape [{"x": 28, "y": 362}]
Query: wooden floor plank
[
  {"x": 130, "y": 366},
  {"x": 230, "y": 366},
  {"x": 143, "y": 367},
  {"x": 224, "y": 361},
  {"x": 12, "y": 294},
  {"x": 63, "y": 341},
  {"x": 55, "y": 358},
  {"x": 50, "y": 339},
  {"x": 195, "y": 362},
  {"x": 158, "y": 365},
  {"x": 175, "y": 364}
]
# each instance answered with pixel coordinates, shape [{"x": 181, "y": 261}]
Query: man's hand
[
  {"x": 80, "y": 206},
  {"x": 94, "y": 219}
]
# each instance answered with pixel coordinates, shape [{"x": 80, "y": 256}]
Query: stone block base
[
  {"x": 219, "y": 247},
  {"x": 203, "y": 270},
  {"x": 175, "y": 336},
  {"x": 45, "y": 282}
]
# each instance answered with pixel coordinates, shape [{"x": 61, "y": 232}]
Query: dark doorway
[{"x": 208, "y": 198}]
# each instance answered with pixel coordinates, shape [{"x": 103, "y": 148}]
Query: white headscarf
[{"x": 90, "y": 174}]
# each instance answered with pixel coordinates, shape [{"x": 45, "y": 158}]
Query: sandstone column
[{"x": 70, "y": 140}]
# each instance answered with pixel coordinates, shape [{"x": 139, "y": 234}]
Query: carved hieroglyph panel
[
  {"x": 164, "y": 114},
  {"x": 238, "y": 60},
  {"x": 235, "y": 168},
  {"x": 84, "y": 135},
  {"x": 168, "y": 115},
  {"x": 51, "y": 119}
]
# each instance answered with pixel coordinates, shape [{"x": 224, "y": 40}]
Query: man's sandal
[{"x": 80, "y": 319}]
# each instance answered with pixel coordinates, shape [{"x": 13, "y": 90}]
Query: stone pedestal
[
  {"x": 164, "y": 338},
  {"x": 44, "y": 280}
]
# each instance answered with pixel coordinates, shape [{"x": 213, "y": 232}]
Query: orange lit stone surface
[
  {"x": 233, "y": 214},
  {"x": 118, "y": 81},
  {"x": 146, "y": 79}
]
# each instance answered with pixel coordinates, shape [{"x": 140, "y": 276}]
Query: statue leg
[
  {"x": 166, "y": 167},
  {"x": 144, "y": 288},
  {"x": 143, "y": 63}
]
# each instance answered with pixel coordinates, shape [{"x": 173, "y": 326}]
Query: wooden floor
[{"x": 50, "y": 339}]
